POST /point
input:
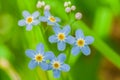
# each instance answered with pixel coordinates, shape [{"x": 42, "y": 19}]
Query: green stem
[
  {"x": 104, "y": 18},
  {"x": 73, "y": 59}
]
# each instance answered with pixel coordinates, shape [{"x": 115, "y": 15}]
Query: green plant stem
[
  {"x": 73, "y": 59},
  {"x": 104, "y": 18}
]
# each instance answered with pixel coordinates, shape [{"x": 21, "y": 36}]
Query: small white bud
[
  {"x": 69, "y": 2},
  {"x": 68, "y": 9},
  {"x": 43, "y": 3},
  {"x": 78, "y": 15},
  {"x": 65, "y": 4},
  {"x": 39, "y": 4},
  {"x": 47, "y": 7},
  {"x": 73, "y": 7}
]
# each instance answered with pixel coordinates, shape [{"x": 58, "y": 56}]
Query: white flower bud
[
  {"x": 43, "y": 3},
  {"x": 39, "y": 4},
  {"x": 73, "y": 7},
  {"x": 78, "y": 15},
  {"x": 69, "y": 2},
  {"x": 47, "y": 7},
  {"x": 65, "y": 4},
  {"x": 68, "y": 9}
]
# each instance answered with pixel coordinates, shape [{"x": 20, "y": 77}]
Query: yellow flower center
[
  {"x": 56, "y": 65},
  {"x": 61, "y": 36},
  {"x": 80, "y": 42},
  {"x": 29, "y": 20},
  {"x": 52, "y": 19},
  {"x": 39, "y": 58}
]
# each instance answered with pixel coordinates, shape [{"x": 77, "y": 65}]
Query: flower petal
[
  {"x": 36, "y": 22},
  {"x": 79, "y": 34},
  {"x": 65, "y": 67},
  {"x": 43, "y": 19},
  {"x": 86, "y": 50},
  {"x": 50, "y": 23},
  {"x": 57, "y": 19},
  {"x": 61, "y": 45},
  {"x": 66, "y": 29},
  {"x": 50, "y": 67},
  {"x": 56, "y": 73},
  {"x": 40, "y": 48},
  {"x": 49, "y": 55},
  {"x": 35, "y": 14},
  {"x": 30, "y": 53},
  {"x": 75, "y": 50},
  {"x": 56, "y": 24},
  {"x": 44, "y": 66},
  {"x": 21, "y": 22},
  {"x": 70, "y": 40},
  {"x": 26, "y": 14},
  {"x": 56, "y": 29},
  {"x": 89, "y": 40},
  {"x": 47, "y": 13},
  {"x": 53, "y": 39},
  {"x": 32, "y": 64},
  {"x": 29, "y": 27},
  {"x": 62, "y": 57}
]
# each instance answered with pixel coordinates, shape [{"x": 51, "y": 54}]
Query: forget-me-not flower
[
  {"x": 51, "y": 20},
  {"x": 81, "y": 43},
  {"x": 39, "y": 57},
  {"x": 57, "y": 64},
  {"x": 61, "y": 37},
  {"x": 29, "y": 20}
]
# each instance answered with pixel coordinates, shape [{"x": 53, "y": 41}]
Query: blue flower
[
  {"x": 39, "y": 57},
  {"x": 81, "y": 43},
  {"x": 29, "y": 20},
  {"x": 57, "y": 64},
  {"x": 51, "y": 20},
  {"x": 61, "y": 37}
]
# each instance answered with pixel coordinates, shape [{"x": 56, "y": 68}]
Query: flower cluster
[
  {"x": 40, "y": 58},
  {"x": 79, "y": 42},
  {"x": 42, "y": 4},
  {"x": 69, "y": 8},
  {"x": 62, "y": 37},
  {"x": 34, "y": 19}
]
